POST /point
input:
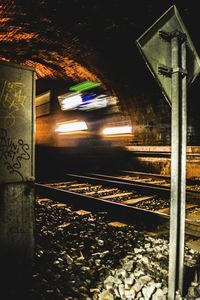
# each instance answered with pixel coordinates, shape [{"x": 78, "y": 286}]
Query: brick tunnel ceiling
[{"x": 58, "y": 38}]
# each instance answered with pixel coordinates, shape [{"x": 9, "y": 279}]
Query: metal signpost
[{"x": 165, "y": 47}]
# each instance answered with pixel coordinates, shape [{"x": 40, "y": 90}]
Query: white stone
[
  {"x": 158, "y": 285},
  {"x": 137, "y": 250},
  {"x": 148, "y": 291},
  {"x": 117, "y": 281},
  {"x": 138, "y": 273},
  {"x": 145, "y": 260},
  {"x": 116, "y": 292},
  {"x": 100, "y": 242},
  {"x": 108, "y": 282},
  {"x": 121, "y": 273},
  {"x": 194, "y": 283},
  {"x": 129, "y": 281},
  {"x": 144, "y": 279},
  {"x": 159, "y": 255},
  {"x": 129, "y": 294},
  {"x": 128, "y": 266},
  {"x": 191, "y": 292},
  {"x": 121, "y": 289},
  {"x": 150, "y": 250},
  {"x": 158, "y": 249},
  {"x": 138, "y": 296},
  {"x": 106, "y": 295},
  {"x": 137, "y": 287},
  {"x": 178, "y": 296},
  {"x": 165, "y": 290},
  {"x": 159, "y": 295},
  {"x": 191, "y": 251}
]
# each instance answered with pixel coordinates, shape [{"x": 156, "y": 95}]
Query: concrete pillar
[{"x": 16, "y": 173}]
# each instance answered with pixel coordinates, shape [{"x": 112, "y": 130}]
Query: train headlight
[
  {"x": 117, "y": 130},
  {"x": 71, "y": 126}
]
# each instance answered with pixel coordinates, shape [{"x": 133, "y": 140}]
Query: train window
[{"x": 42, "y": 104}]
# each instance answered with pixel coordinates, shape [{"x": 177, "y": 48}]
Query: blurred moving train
[
  {"x": 85, "y": 116},
  {"x": 87, "y": 127},
  {"x": 79, "y": 130}
]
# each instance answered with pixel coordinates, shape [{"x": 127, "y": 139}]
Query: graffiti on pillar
[
  {"x": 12, "y": 103},
  {"x": 12, "y": 154}
]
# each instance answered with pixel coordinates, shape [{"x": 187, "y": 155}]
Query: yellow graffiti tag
[{"x": 12, "y": 103}]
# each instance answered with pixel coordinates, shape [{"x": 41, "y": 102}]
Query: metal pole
[
  {"x": 183, "y": 145},
  {"x": 178, "y": 167}
]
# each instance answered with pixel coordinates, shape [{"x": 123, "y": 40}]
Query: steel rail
[
  {"x": 159, "y": 176},
  {"x": 119, "y": 211},
  {"x": 124, "y": 184},
  {"x": 149, "y": 188}
]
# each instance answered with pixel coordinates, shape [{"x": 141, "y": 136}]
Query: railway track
[
  {"x": 125, "y": 200},
  {"x": 193, "y": 185}
]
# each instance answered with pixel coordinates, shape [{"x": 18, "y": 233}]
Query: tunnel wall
[
  {"x": 141, "y": 100},
  {"x": 139, "y": 96},
  {"x": 156, "y": 159}
]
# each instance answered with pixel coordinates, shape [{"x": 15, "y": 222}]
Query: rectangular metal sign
[
  {"x": 16, "y": 123},
  {"x": 156, "y": 50}
]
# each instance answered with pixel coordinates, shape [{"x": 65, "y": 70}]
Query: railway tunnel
[{"x": 94, "y": 185}]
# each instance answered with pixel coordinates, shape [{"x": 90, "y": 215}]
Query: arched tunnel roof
[{"x": 72, "y": 39}]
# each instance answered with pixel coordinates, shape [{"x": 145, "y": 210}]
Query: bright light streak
[
  {"x": 70, "y": 102},
  {"x": 71, "y": 127},
  {"x": 84, "y": 86},
  {"x": 96, "y": 103},
  {"x": 117, "y": 130}
]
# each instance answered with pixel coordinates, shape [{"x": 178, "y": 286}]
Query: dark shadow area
[
  {"x": 16, "y": 279},
  {"x": 55, "y": 162}
]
